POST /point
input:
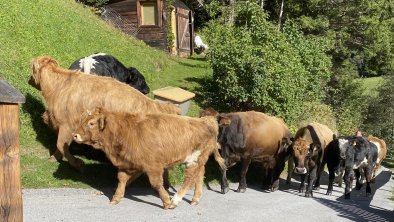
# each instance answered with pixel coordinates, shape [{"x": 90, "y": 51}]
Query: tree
[
  {"x": 255, "y": 66},
  {"x": 380, "y": 113}
]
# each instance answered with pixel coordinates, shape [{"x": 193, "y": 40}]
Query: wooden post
[{"x": 10, "y": 180}]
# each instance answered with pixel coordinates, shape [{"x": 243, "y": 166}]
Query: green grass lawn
[{"x": 371, "y": 84}]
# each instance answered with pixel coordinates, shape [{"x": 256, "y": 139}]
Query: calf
[
  {"x": 69, "y": 93},
  {"x": 107, "y": 65},
  {"x": 334, "y": 157},
  {"x": 252, "y": 136},
  {"x": 138, "y": 143},
  {"x": 307, "y": 152},
  {"x": 361, "y": 156}
]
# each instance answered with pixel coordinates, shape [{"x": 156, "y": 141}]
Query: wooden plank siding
[{"x": 156, "y": 36}]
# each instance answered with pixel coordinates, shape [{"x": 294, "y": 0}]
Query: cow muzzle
[
  {"x": 300, "y": 170},
  {"x": 77, "y": 137}
]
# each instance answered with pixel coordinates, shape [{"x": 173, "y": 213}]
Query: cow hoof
[
  {"x": 52, "y": 159},
  {"x": 225, "y": 190},
  {"x": 171, "y": 206},
  {"x": 301, "y": 190},
  {"x": 329, "y": 193},
  {"x": 273, "y": 189},
  {"x": 194, "y": 202},
  {"x": 359, "y": 186},
  {"x": 308, "y": 194},
  {"x": 114, "y": 201},
  {"x": 241, "y": 190},
  {"x": 316, "y": 188},
  {"x": 347, "y": 196}
]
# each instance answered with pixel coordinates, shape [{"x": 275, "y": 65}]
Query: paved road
[{"x": 142, "y": 204}]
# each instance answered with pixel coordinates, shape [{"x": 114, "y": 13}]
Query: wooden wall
[{"x": 153, "y": 36}]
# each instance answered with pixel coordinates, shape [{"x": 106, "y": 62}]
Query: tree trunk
[{"x": 280, "y": 15}]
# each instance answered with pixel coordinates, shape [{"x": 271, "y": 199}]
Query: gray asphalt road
[{"x": 142, "y": 204}]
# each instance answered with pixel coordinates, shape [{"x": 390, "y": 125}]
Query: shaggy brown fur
[
  {"x": 382, "y": 152},
  {"x": 150, "y": 143},
  {"x": 69, "y": 93}
]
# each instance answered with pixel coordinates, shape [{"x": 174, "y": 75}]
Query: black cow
[
  {"x": 355, "y": 155},
  {"x": 107, "y": 65},
  {"x": 334, "y": 157}
]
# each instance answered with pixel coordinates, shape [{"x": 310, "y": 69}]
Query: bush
[{"x": 255, "y": 66}]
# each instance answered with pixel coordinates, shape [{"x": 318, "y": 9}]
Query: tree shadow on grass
[{"x": 47, "y": 136}]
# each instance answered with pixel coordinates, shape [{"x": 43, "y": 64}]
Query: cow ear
[
  {"x": 224, "y": 120},
  {"x": 102, "y": 122}
]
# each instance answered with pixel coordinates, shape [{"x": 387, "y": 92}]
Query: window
[{"x": 149, "y": 13}]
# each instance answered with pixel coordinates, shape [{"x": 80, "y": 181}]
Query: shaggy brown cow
[
  {"x": 69, "y": 93},
  {"x": 151, "y": 143},
  {"x": 307, "y": 153},
  {"x": 252, "y": 136},
  {"x": 382, "y": 151}
]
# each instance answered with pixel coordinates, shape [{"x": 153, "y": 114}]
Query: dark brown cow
[
  {"x": 69, "y": 93},
  {"x": 307, "y": 153},
  {"x": 252, "y": 136},
  {"x": 150, "y": 143}
]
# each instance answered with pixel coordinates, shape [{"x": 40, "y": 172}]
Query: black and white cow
[
  {"x": 107, "y": 65},
  {"x": 354, "y": 155}
]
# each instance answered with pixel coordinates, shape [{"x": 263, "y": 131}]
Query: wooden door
[{"x": 184, "y": 27}]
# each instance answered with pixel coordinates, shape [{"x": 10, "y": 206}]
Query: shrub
[{"x": 255, "y": 66}]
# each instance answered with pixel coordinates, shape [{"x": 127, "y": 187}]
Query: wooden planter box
[
  {"x": 176, "y": 96},
  {"x": 10, "y": 180}
]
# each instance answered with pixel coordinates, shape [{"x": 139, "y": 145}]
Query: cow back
[{"x": 254, "y": 132}]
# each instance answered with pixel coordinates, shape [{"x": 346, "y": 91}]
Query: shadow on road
[{"x": 359, "y": 207}]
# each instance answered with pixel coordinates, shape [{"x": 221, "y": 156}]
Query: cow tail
[{"x": 219, "y": 158}]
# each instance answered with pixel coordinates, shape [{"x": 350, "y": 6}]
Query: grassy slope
[{"x": 68, "y": 31}]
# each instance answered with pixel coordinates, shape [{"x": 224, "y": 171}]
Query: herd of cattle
[{"x": 141, "y": 135}]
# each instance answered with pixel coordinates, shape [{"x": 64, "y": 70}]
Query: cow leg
[
  {"x": 290, "y": 169},
  {"x": 319, "y": 173},
  {"x": 302, "y": 185},
  {"x": 190, "y": 175},
  {"x": 348, "y": 178},
  {"x": 123, "y": 177},
  {"x": 311, "y": 181},
  {"x": 245, "y": 165},
  {"x": 359, "y": 183},
  {"x": 198, "y": 185},
  {"x": 166, "y": 181},
  {"x": 156, "y": 181},
  {"x": 279, "y": 167},
  {"x": 267, "y": 178},
  {"x": 224, "y": 182},
  {"x": 64, "y": 140},
  {"x": 368, "y": 177},
  {"x": 331, "y": 178}
]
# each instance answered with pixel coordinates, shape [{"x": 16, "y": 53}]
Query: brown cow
[
  {"x": 69, "y": 93},
  {"x": 382, "y": 151},
  {"x": 307, "y": 153},
  {"x": 150, "y": 143},
  {"x": 252, "y": 136}
]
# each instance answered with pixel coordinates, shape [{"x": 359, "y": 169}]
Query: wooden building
[{"x": 151, "y": 18}]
